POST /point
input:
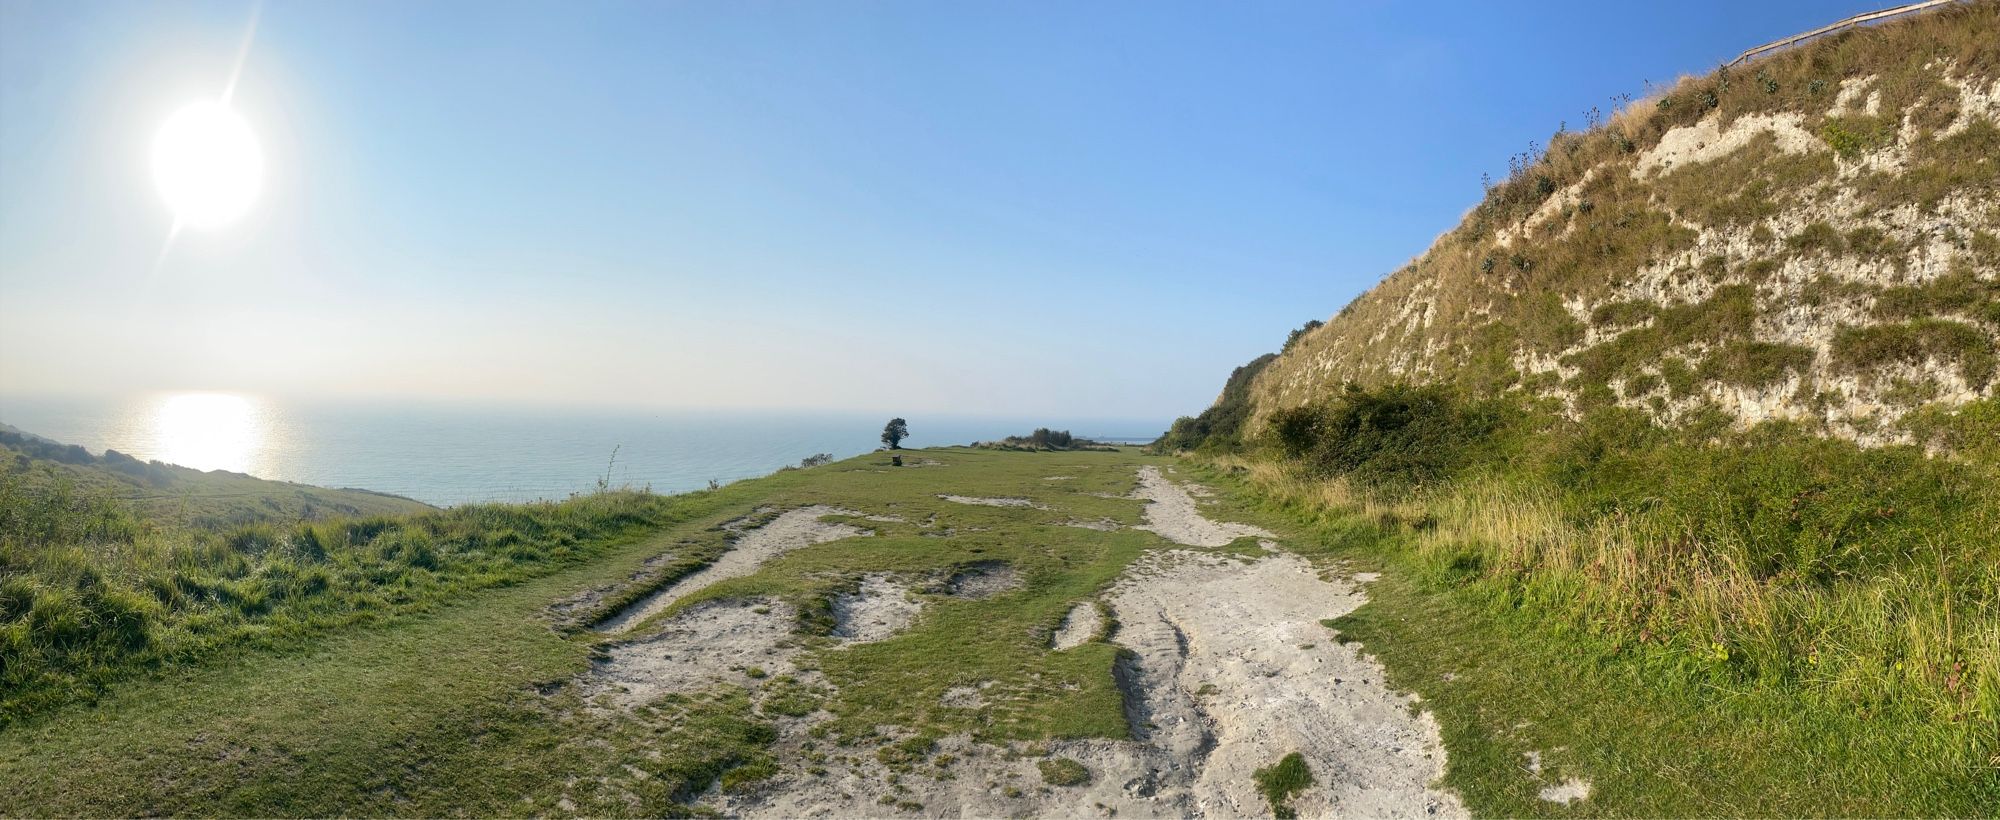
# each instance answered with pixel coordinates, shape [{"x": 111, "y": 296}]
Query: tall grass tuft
[
  {"x": 90, "y": 592},
  {"x": 1864, "y": 580}
]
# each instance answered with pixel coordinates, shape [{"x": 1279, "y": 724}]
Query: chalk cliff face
[{"x": 1812, "y": 237}]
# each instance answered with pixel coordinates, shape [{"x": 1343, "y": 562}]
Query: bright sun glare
[
  {"x": 207, "y": 165},
  {"x": 208, "y": 431}
]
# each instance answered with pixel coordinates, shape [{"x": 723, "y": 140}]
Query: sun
[{"x": 207, "y": 165}]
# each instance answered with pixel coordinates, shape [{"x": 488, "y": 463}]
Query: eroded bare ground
[
  {"x": 789, "y": 531},
  {"x": 879, "y": 608},
  {"x": 1078, "y": 627},
  {"x": 1173, "y": 515},
  {"x": 991, "y": 502},
  {"x": 1230, "y": 670},
  {"x": 719, "y": 642},
  {"x": 1234, "y": 669}
]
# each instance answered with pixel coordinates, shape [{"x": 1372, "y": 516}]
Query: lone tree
[{"x": 894, "y": 432}]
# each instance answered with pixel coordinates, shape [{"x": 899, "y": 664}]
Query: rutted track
[
  {"x": 1233, "y": 670},
  {"x": 1230, "y": 669},
  {"x": 793, "y": 529}
]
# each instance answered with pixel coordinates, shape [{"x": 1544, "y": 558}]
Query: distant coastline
[{"x": 454, "y": 454}]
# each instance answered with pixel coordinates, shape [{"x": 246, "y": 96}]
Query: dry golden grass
[{"x": 1923, "y": 642}]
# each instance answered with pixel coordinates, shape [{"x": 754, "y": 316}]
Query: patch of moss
[
  {"x": 1062, "y": 771},
  {"x": 1278, "y": 782}
]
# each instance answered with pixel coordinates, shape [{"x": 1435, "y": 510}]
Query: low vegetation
[
  {"x": 178, "y": 496},
  {"x": 1631, "y": 263},
  {"x": 1279, "y": 781},
  {"x": 1218, "y": 427},
  {"x": 360, "y": 697},
  {"x": 1045, "y": 439},
  {"x": 91, "y": 592},
  {"x": 1062, "y": 771},
  {"x": 1969, "y": 349},
  {"x": 1769, "y": 561}
]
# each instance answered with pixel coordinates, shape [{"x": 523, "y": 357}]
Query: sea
[{"x": 447, "y": 453}]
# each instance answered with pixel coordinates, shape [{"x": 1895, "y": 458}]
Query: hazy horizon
[
  {"x": 458, "y": 451},
  {"x": 905, "y": 208}
]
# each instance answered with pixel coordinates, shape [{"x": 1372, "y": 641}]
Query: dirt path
[
  {"x": 1230, "y": 671},
  {"x": 1173, "y": 515},
  {"x": 1235, "y": 670},
  {"x": 789, "y": 531},
  {"x": 707, "y": 644}
]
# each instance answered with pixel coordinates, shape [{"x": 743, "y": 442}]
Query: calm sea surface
[{"x": 456, "y": 453}]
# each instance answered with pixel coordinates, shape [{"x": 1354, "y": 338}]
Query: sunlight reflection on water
[
  {"x": 456, "y": 452},
  {"x": 208, "y": 431}
]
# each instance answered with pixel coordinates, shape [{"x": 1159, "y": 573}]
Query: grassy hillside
[
  {"x": 449, "y": 695},
  {"x": 171, "y": 495},
  {"x": 1705, "y": 390},
  {"x": 1812, "y": 237}
]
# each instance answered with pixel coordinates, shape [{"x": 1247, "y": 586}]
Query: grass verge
[{"x": 1509, "y": 670}]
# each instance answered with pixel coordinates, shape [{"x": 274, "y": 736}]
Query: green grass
[
  {"x": 1724, "y": 318},
  {"x": 1062, "y": 771},
  {"x": 90, "y": 593},
  {"x": 1958, "y": 293},
  {"x": 999, "y": 643},
  {"x": 464, "y": 705},
  {"x": 429, "y": 710},
  {"x": 467, "y": 705},
  {"x": 1512, "y": 660},
  {"x": 176, "y": 496},
  {"x": 1756, "y": 364},
  {"x": 1915, "y": 342},
  {"x": 1279, "y": 781}
]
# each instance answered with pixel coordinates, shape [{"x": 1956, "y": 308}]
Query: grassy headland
[
  {"x": 444, "y": 666},
  {"x": 429, "y": 670}
]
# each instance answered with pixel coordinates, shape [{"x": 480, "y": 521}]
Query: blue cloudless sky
[{"x": 1087, "y": 209}]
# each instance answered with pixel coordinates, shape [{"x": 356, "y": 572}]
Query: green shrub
[
  {"x": 1851, "y": 136},
  {"x": 1817, "y": 236},
  {"x": 1756, "y": 364},
  {"x": 1220, "y": 426},
  {"x": 1300, "y": 333},
  {"x": 1398, "y": 436},
  {"x": 1859, "y": 349},
  {"x": 1278, "y": 782}
]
